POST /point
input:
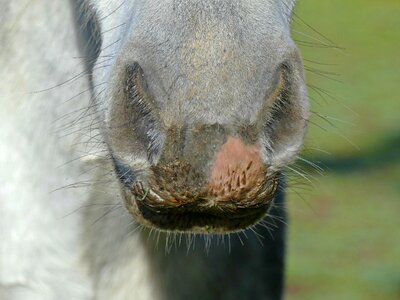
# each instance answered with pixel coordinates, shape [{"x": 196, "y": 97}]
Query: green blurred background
[{"x": 344, "y": 239}]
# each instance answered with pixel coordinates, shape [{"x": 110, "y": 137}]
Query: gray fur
[{"x": 204, "y": 63}]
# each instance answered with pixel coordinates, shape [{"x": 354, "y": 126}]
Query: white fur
[{"x": 39, "y": 248}]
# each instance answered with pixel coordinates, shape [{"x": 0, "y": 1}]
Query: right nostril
[{"x": 285, "y": 119}]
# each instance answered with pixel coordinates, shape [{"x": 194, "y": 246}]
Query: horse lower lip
[{"x": 201, "y": 220}]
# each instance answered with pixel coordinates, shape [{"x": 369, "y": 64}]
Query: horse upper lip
[
  {"x": 162, "y": 199},
  {"x": 195, "y": 212},
  {"x": 158, "y": 204}
]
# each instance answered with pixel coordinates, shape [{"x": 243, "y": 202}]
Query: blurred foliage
[{"x": 344, "y": 239}]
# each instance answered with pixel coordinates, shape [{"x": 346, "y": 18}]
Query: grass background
[{"x": 344, "y": 239}]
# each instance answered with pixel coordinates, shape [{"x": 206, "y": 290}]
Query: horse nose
[{"x": 237, "y": 167}]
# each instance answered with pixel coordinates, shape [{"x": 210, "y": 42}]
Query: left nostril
[{"x": 237, "y": 166}]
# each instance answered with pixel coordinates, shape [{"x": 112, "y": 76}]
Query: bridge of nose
[{"x": 207, "y": 156}]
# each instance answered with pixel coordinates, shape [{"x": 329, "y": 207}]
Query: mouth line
[
  {"x": 160, "y": 205},
  {"x": 199, "y": 214},
  {"x": 201, "y": 221}
]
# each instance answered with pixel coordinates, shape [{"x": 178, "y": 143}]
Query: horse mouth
[
  {"x": 202, "y": 221},
  {"x": 199, "y": 213}
]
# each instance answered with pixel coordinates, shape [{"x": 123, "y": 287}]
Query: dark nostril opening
[
  {"x": 133, "y": 120},
  {"x": 285, "y": 119},
  {"x": 124, "y": 173}
]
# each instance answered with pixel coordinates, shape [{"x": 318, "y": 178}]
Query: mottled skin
[{"x": 195, "y": 108}]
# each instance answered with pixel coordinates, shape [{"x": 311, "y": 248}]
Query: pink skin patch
[{"x": 237, "y": 167}]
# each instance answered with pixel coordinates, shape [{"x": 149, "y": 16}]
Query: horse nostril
[{"x": 237, "y": 166}]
